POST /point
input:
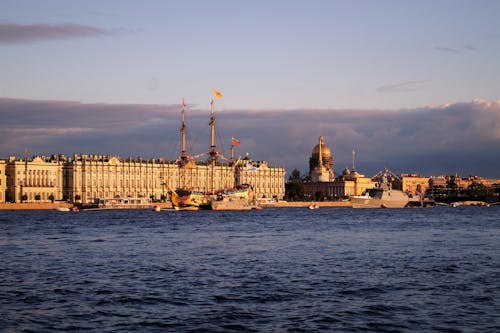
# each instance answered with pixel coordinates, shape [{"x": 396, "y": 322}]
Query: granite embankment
[
  {"x": 34, "y": 205},
  {"x": 55, "y": 205},
  {"x": 167, "y": 205},
  {"x": 288, "y": 204}
]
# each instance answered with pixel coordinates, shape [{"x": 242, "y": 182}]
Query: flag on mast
[
  {"x": 235, "y": 142},
  {"x": 217, "y": 94}
]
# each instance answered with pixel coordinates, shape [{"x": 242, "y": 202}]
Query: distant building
[
  {"x": 91, "y": 177},
  {"x": 321, "y": 164},
  {"x": 348, "y": 184},
  {"x": 414, "y": 184},
  {"x": 38, "y": 179},
  {"x": 3, "y": 181},
  {"x": 267, "y": 182},
  {"x": 460, "y": 182},
  {"x": 360, "y": 183},
  {"x": 86, "y": 178},
  {"x": 324, "y": 185}
]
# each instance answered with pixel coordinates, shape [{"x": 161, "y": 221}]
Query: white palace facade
[{"x": 85, "y": 178}]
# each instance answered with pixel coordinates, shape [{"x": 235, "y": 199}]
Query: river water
[{"x": 275, "y": 270}]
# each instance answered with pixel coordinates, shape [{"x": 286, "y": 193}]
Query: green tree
[
  {"x": 294, "y": 191},
  {"x": 477, "y": 190}
]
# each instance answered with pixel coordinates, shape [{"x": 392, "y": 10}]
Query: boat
[
  {"x": 241, "y": 198},
  {"x": 120, "y": 203},
  {"x": 382, "y": 196},
  {"x": 190, "y": 200},
  {"x": 62, "y": 209}
]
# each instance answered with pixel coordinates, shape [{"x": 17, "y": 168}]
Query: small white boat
[{"x": 62, "y": 209}]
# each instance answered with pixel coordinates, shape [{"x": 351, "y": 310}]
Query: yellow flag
[{"x": 217, "y": 94}]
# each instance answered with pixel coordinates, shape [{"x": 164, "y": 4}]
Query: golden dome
[{"x": 325, "y": 150}]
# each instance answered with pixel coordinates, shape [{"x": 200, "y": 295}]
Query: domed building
[{"x": 321, "y": 163}]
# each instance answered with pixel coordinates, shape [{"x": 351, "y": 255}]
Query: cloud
[
  {"x": 11, "y": 33},
  {"x": 446, "y": 49},
  {"x": 445, "y": 139},
  {"x": 407, "y": 86}
]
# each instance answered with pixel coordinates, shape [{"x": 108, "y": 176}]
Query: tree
[
  {"x": 51, "y": 198},
  {"x": 295, "y": 175},
  {"x": 477, "y": 189},
  {"x": 37, "y": 197},
  {"x": 294, "y": 191}
]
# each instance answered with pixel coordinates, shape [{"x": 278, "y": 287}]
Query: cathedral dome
[{"x": 325, "y": 151}]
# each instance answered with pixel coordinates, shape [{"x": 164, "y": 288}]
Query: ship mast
[
  {"x": 183, "y": 156},
  {"x": 212, "y": 152}
]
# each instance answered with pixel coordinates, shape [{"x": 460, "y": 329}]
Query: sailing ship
[
  {"x": 190, "y": 200},
  {"x": 186, "y": 198}
]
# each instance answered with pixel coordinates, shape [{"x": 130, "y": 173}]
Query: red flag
[
  {"x": 183, "y": 103},
  {"x": 235, "y": 142}
]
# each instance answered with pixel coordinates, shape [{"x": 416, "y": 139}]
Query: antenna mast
[{"x": 353, "y": 154}]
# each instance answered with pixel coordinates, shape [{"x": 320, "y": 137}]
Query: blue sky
[{"x": 332, "y": 58}]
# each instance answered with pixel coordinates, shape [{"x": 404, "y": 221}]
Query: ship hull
[
  {"x": 377, "y": 203},
  {"x": 190, "y": 201}
]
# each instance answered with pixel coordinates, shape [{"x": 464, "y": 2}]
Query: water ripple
[{"x": 276, "y": 270}]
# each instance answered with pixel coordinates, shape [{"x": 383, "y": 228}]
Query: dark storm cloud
[
  {"x": 11, "y": 33},
  {"x": 459, "y": 137}
]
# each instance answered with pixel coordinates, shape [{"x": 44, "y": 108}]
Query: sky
[{"x": 411, "y": 85}]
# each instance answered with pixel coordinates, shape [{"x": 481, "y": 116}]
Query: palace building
[
  {"x": 36, "y": 179},
  {"x": 3, "y": 181},
  {"x": 86, "y": 178}
]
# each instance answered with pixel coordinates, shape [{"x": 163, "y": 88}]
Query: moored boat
[
  {"x": 190, "y": 200},
  {"x": 239, "y": 199},
  {"x": 383, "y": 196}
]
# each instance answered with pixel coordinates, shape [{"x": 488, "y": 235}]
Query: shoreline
[
  {"x": 55, "y": 205},
  {"x": 166, "y": 205},
  {"x": 291, "y": 204}
]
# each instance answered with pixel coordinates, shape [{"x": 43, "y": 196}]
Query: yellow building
[
  {"x": 3, "y": 181},
  {"x": 38, "y": 179},
  {"x": 348, "y": 184},
  {"x": 267, "y": 182},
  {"x": 414, "y": 184},
  {"x": 461, "y": 182},
  {"x": 91, "y": 177},
  {"x": 361, "y": 183},
  {"x": 321, "y": 165}
]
